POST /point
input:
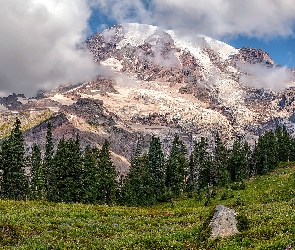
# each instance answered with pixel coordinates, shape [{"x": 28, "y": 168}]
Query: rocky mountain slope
[{"x": 158, "y": 82}]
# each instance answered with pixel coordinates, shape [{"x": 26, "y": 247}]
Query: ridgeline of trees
[{"x": 69, "y": 174}]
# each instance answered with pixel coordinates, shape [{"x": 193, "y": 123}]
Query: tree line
[{"x": 70, "y": 174}]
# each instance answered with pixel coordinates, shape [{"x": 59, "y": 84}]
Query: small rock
[{"x": 223, "y": 223}]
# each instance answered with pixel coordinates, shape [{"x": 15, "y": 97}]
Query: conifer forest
[{"x": 72, "y": 175}]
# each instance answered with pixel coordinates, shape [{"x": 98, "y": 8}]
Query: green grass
[{"x": 268, "y": 202}]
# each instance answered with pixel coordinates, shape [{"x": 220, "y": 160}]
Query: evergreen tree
[
  {"x": 138, "y": 184},
  {"x": 14, "y": 183},
  {"x": 292, "y": 149},
  {"x": 47, "y": 162},
  {"x": 283, "y": 143},
  {"x": 37, "y": 183},
  {"x": 176, "y": 166},
  {"x": 265, "y": 153},
  {"x": 108, "y": 175},
  {"x": 90, "y": 175},
  {"x": 199, "y": 170},
  {"x": 57, "y": 170},
  {"x": 220, "y": 174},
  {"x": 156, "y": 167},
  {"x": 67, "y": 172},
  {"x": 238, "y": 163}
]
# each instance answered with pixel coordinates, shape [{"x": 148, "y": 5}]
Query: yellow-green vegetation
[
  {"x": 28, "y": 120},
  {"x": 267, "y": 202}
]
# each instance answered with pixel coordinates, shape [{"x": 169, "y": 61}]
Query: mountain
[{"x": 163, "y": 83}]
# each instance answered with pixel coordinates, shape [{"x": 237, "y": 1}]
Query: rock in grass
[{"x": 223, "y": 223}]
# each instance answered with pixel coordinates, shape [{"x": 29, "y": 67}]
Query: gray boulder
[{"x": 223, "y": 223}]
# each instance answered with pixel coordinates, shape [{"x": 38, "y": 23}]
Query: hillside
[
  {"x": 157, "y": 82},
  {"x": 268, "y": 203}
]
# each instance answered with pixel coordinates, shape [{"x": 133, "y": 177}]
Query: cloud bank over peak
[
  {"x": 217, "y": 18},
  {"x": 39, "y": 38},
  {"x": 38, "y": 44}
]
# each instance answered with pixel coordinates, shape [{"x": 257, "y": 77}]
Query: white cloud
[
  {"x": 39, "y": 37},
  {"x": 38, "y": 44},
  {"x": 217, "y": 18},
  {"x": 260, "y": 76}
]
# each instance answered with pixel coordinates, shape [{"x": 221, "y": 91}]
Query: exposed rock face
[
  {"x": 162, "y": 84},
  {"x": 13, "y": 101},
  {"x": 253, "y": 56},
  {"x": 223, "y": 223}
]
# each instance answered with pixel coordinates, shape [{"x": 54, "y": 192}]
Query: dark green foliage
[
  {"x": 156, "y": 167},
  {"x": 37, "y": 183},
  {"x": 292, "y": 150},
  {"x": 90, "y": 175},
  {"x": 242, "y": 222},
  {"x": 47, "y": 161},
  {"x": 220, "y": 174},
  {"x": 67, "y": 169},
  {"x": 107, "y": 182},
  {"x": 138, "y": 185},
  {"x": 175, "y": 168},
  {"x": 227, "y": 194},
  {"x": 238, "y": 163},
  {"x": 14, "y": 183},
  {"x": 200, "y": 166},
  {"x": 284, "y": 143},
  {"x": 265, "y": 154},
  {"x": 238, "y": 185}
]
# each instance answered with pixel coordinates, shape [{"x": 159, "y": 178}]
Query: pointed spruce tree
[
  {"x": 37, "y": 182},
  {"x": 14, "y": 184},
  {"x": 220, "y": 174},
  {"x": 137, "y": 189},
  {"x": 238, "y": 162},
  {"x": 265, "y": 155},
  {"x": 199, "y": 170},
  {"x": 156, "y": 167},
  {"x": 90, "y": 175},
  {"x": 108, "y": 176},
  {"x": 47, "y": 161},
  {"x": 67, "y": 172},
  {"x": 175, "y": 168}
]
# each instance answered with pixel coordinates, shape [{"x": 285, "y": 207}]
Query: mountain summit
[{"x": 163, "y": 83}]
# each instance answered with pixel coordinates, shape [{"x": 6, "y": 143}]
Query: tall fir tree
[
  {"x": 238, "y": 163},
  {"x": 137, "y": 189},
  {"x": 108, "y": 176},
  {"x": 14, "y": 184},
  {"x": 265, "y": 153},
  {"x": 47, "y": 161},
  {"x": 175, "y": 167},
  {"x": 220, "y": 174},
  {"x": 283, "y": 143},
  {"x": 199, "y": 170},
  {"x": 37, "y": 182},
  {"x": 67, "y": 172},
  {"x": 156, "y": 167},
  {"x": 90, "y": 175}
]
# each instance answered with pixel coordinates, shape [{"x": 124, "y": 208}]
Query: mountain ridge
[{"x": 158, "y": 83}]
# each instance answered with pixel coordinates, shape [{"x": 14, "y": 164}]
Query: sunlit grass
[{"x": 268, "y": 202}]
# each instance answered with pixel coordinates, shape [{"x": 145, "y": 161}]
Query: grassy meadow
[{"x": 268, "y": 202}]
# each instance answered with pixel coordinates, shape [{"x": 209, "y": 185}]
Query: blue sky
[
  {"x": 280, "y": 49},
  {"x": 252, "y": 23}
]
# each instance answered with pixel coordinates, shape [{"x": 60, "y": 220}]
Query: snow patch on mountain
[
  {"x": 62, "y": 99},
  {"x": 193, "y": 46},
  {"x": 112, "y": 63},
  {"x": 135, "y": 34},
  {"x": 224, "y": 50}
]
